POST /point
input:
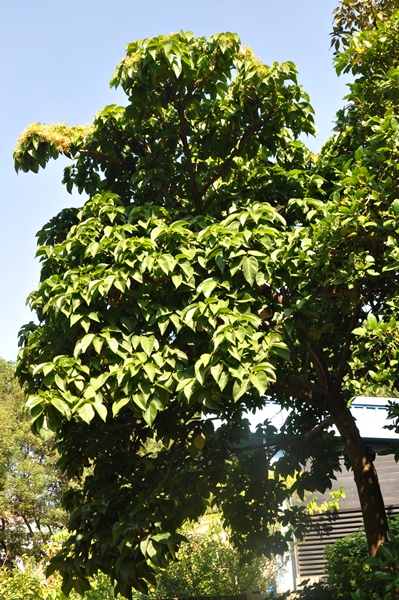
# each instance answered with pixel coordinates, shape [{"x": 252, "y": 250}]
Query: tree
[
  {"x": 215, "y": 264},
  {"x": 30, "y": 484},
  {"x": 210, "y": 566},
  {"x": 29, "y": 582},
  {"x": 352, "y": 16}
]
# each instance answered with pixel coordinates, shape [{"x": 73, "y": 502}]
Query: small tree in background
[
  {"x": 209, "y": 565},
  {"x": 30, "y": 483}
]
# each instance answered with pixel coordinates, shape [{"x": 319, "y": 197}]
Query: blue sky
[{"x": 56, "y": 61}]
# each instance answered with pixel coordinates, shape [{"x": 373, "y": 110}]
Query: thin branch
[
  {"x": 37, "y": 524},
  {"x": 199, "y": 83},
  {"x": 190, "y": 165},
  {"x": 323, "y": 425},
  {"x": 297, "y": 441},
  {"x": 28, "y": 525},
  {"x": 347, "y": 345},
  {"x": 320, "y": 368},
  {"x": 225, "y": 165},
  {"x": 306, "y": 392}
]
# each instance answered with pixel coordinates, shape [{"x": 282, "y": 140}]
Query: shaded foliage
[{"x": 352, "y": 575}]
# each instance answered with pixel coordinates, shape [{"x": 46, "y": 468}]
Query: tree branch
[
  {"x": 320, "y": 368},
  {"x": 190, "y": 166},
  {"x": 323, "y": 425},
  {"x": 224, "y": 166},
  {"x": 199, "y": 84},
  {"x": 347, "y": 345},
  {"x": 297, "y": 441},
  {"x": 299, "y": 388}
]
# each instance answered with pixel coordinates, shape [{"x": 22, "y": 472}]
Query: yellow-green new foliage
[{"x": 28, "y": 581}]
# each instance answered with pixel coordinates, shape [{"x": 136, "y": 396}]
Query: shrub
[
  {"x": 353, "y": 575},
  {"x": 346, "y": 569},
  {"x": 209, "y": 565}
]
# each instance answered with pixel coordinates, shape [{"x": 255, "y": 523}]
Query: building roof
[{"x": 370, "y": 414}]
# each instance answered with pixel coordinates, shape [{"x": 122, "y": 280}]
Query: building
[{"x": 309, "y": 559}]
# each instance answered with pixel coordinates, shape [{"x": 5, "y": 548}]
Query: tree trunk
[{"x": 365, "y": 474}]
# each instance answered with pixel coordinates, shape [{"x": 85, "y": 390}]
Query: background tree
[
  {"x": 31, "y": 485},
  {"x": 352, "y": 16},
  {"x": 209, "y": 565},
  {"x": 216, "y": 261}
]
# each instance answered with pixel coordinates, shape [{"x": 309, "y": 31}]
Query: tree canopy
[
  {"x": 216, "y": 265},
  {"x": 352, "y": 16},
  {"x": 30, "y": 483}
]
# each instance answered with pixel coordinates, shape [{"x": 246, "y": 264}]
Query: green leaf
[
  {"x": 45, "y": 367},
  {"x": 372, "y": 321},
  {"x": 93, "y": 248},
  {"x": 260, "y": 382},
  {"x": 207, "y": 287},
  {"x": 165, "y": 537},
  {"x": 223, "y": 380},
  {"x": 150, "y": 414},
  {"x": 98, "y": 344},
  {"x": 216, "y": 371},
  {"x": 359, "y": 331},
  {"x": 61, "y": 406},
  {"x": 99, "y": 381},
  {"x": 385, "y": 575},
  {"x": 177, "y": 279},
  {"x": 83, "y": 344},
  {"x": 101, "y": 410},
  {"x": 167, "y": 263},
  {"x": 60, "y": 382},
  {"x": 188, "y": 316},
  {"x": 282, "y": 350},
  {"x": 89, "y": 392},
  {"x": 250, "y": 268},
  {"x": 239, "y": 389},
  {"x": 177, "y": 323},
  {"x": 118, "y": 405},
  {"x": 74, "y": 319},
  {"x": 108, "y": 282},
  {"x": 147, "y": 344},
  {"x": 33, "y": 401},
  {"x": 86, "y": 412},
  {"x": 150, "y": 370},
  {"x": 113, "y": 344}
]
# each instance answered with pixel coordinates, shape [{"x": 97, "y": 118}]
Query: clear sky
[{"x": 56, "y": 61}]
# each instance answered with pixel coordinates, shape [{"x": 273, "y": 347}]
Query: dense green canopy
[{"x": 217, "y": 264}]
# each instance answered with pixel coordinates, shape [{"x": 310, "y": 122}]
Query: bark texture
[{"x": 364, "y": 471}]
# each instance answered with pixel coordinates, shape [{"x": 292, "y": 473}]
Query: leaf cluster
[
  {"x": 352, "y": 16},
  {"x": 204, "y": 116},
  {"x": 352, "y": 574}
]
